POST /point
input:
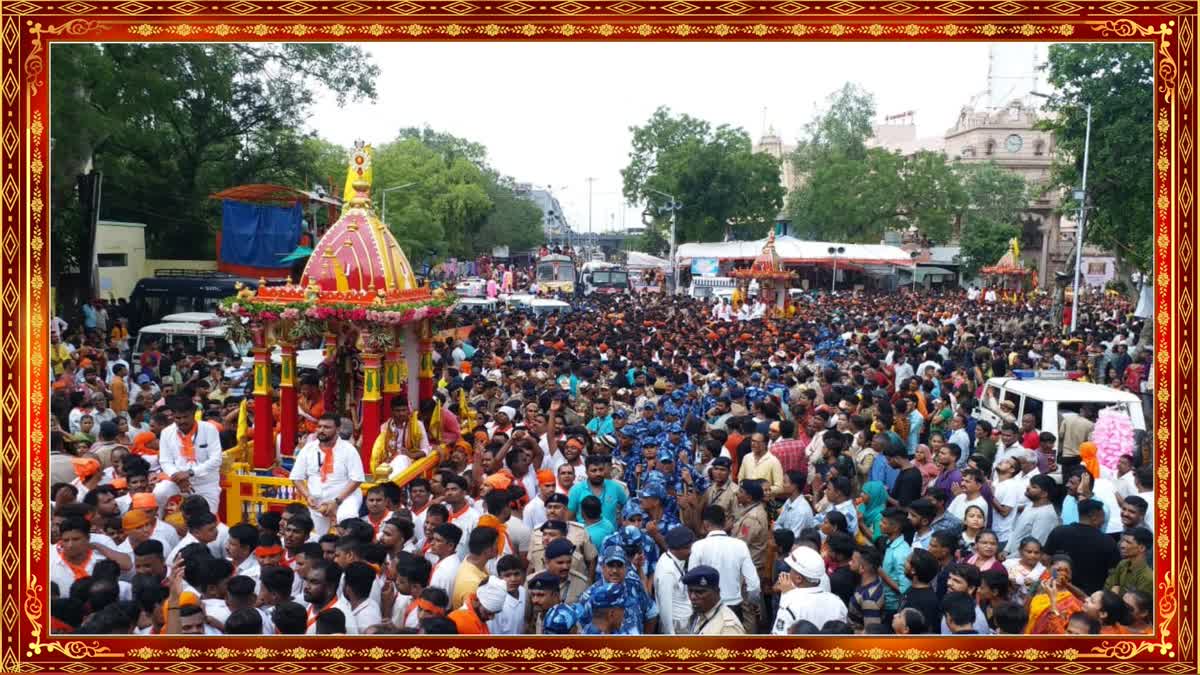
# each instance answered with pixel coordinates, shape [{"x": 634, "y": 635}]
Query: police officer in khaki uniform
[
  {"x": 559, "y": 522},
  {"x": 721, "y": 492},
  {"x": 752, "y": 525},
  {"x": 710, "y": 616}
]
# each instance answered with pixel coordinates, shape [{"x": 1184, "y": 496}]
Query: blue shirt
[
  {"x": 894, "y": 558},
  {"x": 612, "y": 500},
  {"x": 639, "y": 606},
  {"x": 600, "y": 426},
  {"x": 883, "y": 472},
  {"x": 598, "y": 531}
]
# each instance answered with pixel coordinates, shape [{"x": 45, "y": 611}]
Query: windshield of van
[{"x": 610, "y": 278}]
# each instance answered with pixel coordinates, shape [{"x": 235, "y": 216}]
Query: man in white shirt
[
  {"x": 674, "y": 607},
  {"x": 75, "y": 556},
  {"x": 972, "y": 495},
  {"x": 805, "y": 601},
  {"x": 1007, "y": 493},
  {"x": 327, "y": 473},
  {"x": 357, "y": 582},
  {"x": 320, "y": 592},
  {"x": 189, "y": 452},
  {"x": 730, "y": 557},
  {"x": 239, "y": 547},
  {"x": 443, "y": 545}
]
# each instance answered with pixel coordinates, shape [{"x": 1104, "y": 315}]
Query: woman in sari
[
  {"x": 1054, "y": 600},
  {"x": 870, "y": 511},
  {"x": 923, "y": 460}
]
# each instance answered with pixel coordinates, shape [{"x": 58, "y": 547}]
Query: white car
[
  {"x": 485, "y": 304},
  {"x": 306, "y": 359},
  {"x": 1050, "y": 397},
  {"x": 542, "y": 306}
]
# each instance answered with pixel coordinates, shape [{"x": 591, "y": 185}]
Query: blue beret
[
  {"x": 545, "y": 581},
  {"x": 558, "y": 548},
  {"x": 612, "y": 553},
  {"x": 680, "y": 537},
  {"x": 755, "y": 377},
  {"x": 633, "y": 510},
  {"x": 649, "y": 406},
  {"x": 677, "y": 395},
  {"x": 702, "y": 576},
  {"x": 620, "y": 414},
  {"x": 665, "y": 455},
  {"x": 675, "y": 428},
  {"x": 559, "y": 620},
  {"x": 753, "y": 488},
  {"x": 654, "y": 490},
  {"x": 606, "y": 596}
]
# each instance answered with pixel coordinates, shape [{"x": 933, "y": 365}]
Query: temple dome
[{"x": 359, "y": 253}]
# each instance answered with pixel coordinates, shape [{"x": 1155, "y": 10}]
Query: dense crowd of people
[{"x": 641, "y": 465}]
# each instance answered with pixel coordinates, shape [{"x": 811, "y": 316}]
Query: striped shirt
[{"x": 866, "y": 606}]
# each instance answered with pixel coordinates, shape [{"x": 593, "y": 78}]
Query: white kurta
[
  {"x": 207, "y": 465},
  {"x": 347, "y": 468}
]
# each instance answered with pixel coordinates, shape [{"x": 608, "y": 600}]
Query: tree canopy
[
  {"x": 168, "y": 125},
  {"x": 995, "y": 199},
  {"x": 852, "y": 192},
  {"x": 1117, "y": 80},
  {"x": 724, "y": 187}
]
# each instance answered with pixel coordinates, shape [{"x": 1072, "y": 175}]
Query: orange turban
[
  {"x": 133, "y": 519},
  {"x": 85, "y": 467},
  {"x": 498, "y": 481},
  {"x": 465, "y": 367},
  {"x": 119, "y": 484},
  {"x": 546, "y": 477},
  {"x": 144, "y": 500},
  {"x": 1087, "y": 453},
  {"x": 145, "y": 443}
]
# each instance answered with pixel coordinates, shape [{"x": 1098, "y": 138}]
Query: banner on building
[{"x": 706, "y": 267}]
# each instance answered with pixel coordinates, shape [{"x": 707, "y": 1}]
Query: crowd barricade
[{"x": 247, "y": 494}]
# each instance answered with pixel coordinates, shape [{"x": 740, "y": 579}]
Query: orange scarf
[
  {"x": 81, "y": 570},
  {"x": 312, "y": 616},
  {"x": 488, "y": 520},
  {"x": 327, "y": 463},
  {"x": 376, "y": 525},
  {"x": 187, "y": 444},
  {"x": 468, "y": 621}
]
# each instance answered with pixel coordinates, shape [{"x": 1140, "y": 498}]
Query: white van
[
  {"x": 1050, "y": 397},
  {"x": 193, "y": 336},
  {"x": 307, "y": 360},
  {"x": 703, "y": 288},
  {"x": 206, "y": 318},
  {"x": 477, "y": 304}
]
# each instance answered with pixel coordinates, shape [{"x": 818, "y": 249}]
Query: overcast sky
[{"x": 558, "y": 113}]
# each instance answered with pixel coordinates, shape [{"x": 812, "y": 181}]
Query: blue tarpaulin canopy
[{"x": 258, "y": 235}]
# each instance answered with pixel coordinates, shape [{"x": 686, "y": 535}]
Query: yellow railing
[{"x": 247, "y": 495}]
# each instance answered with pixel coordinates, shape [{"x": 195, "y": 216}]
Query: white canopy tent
[
  {"x": 794, "y": 251},
  {"x": 637, "y": 261}
]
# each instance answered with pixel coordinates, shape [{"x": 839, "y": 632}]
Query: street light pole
[
  {"x": 835, "y": 251},
  {"x": 1087, "y": 139},
  {"x": 1082, "y": 196},
  {"x": 674, "y": 206},
  {"x": 387, "y": 190},
  {"x": 914, "y": 271}
]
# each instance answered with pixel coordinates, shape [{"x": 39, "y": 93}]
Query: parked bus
[
  {"x": 604, "y": 278},
  {"x": 555, "y": 274}
]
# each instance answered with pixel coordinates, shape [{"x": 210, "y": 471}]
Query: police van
[{"x": 1051, "y": 397}]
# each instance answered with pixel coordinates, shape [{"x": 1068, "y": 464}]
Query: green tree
[
  {"x": 168, "y": 125},
  {"x": 851, "y": 192},
  {"x": 1117, "y": 80},
  {"x": 722, "y": 184},
  {"x": 453, "y": 202},
  {"x": 995, "y": 199}
]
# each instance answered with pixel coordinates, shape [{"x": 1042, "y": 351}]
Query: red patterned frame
[{"x": 28, "y": 27}]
